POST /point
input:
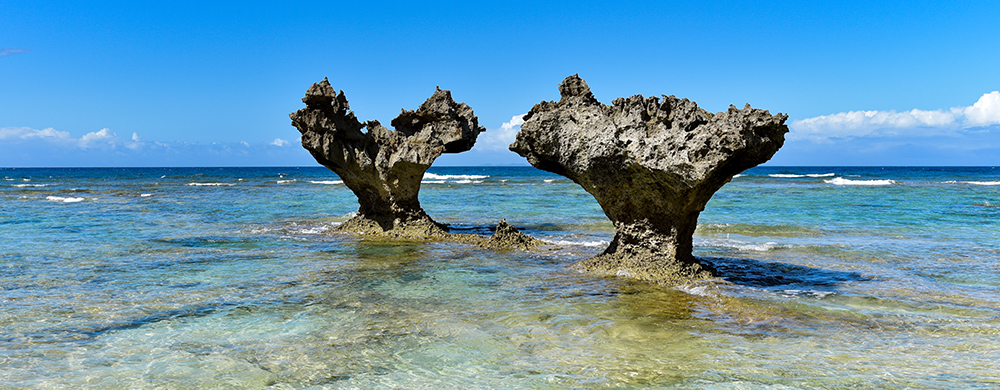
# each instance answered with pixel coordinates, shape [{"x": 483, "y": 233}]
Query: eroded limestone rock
[
  {"x": 652, "y": 163},
  {"x": 383, "y": 167},
  {"x": 508, "y": 237}
]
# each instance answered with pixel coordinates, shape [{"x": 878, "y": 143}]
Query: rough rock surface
[
  {"x": 383, "y": 167},
  {"x": 652, "y": 163},
  {"x": 508, "y": 237}
]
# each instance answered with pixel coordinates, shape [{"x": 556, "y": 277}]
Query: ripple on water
[{"x": 836, "y": 287}]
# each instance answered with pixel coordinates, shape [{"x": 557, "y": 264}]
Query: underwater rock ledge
[
  {"x": 382, "y": 167},
  {"x": 652, "y": 164}
]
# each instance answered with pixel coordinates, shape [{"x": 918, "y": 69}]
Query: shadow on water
[
  {"x": 760, "y": 274},
  {"x": 91, "y": 331},
  {"x": 485, "y": 230}
]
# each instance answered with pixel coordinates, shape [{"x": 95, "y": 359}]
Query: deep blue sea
[{"x": 833, "y": 277}]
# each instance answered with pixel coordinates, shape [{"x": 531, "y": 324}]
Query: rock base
[
  {"x": 646, "y": 266},
  {"x": 508, "y": 237},
  {"x": 416, "y": 230}
]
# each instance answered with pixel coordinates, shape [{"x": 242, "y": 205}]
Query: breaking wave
[
  {"x": 63, "y": 199},
  {"x": 431, "y": 176},
  {"x": 211, "y": 184},
  {"x": 847, "y": 182},
  {"x": 983, "y": 183},
  {"x": 791, "y": 175},
  {"x": 741, "y": 245},
  {"x": 326, "y": 181}
]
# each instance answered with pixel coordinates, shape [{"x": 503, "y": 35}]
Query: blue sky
[{"x": 212, "y": 83}]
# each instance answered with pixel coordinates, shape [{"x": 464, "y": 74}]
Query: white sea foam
[
  {"x": 748, "y": 247},
  {"x": 432, "y": 176},
  {"x": 694, "y": 290},
  {"x": 576, "y": 243},
  {"x": 791, "y": 175},
  {"x": 737, "y": 176},
  {"x": 313, "y": 230},
  {"x": 63, "y": 199},
  {"x": 764, "y": 247},
  {"x": 847, "y": 182},
  {"x": 549, "y": 180},
  {"x": 432, "y": 181},
  {"x": 326, "y": 181},
  {"x": 741, "y": 245},
  {"x": 800, "y": 293},
  {"x": 30, "y": 185},
  {"x": 211, "y": 184},
  {"x": 286, "y": 181},
  {"x": 983, "y": 183},
  {"x": 145, "y": 195}
]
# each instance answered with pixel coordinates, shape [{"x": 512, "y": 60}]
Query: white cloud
[
  {"x": 25, "y": 133},
  {"x": 103, "y": 137},
  {"x": 498, "y": 139},
  {"x": 136, "y": 142},
  {"x": 984, "y": 112},
  {"x": 26, "y": 147}
]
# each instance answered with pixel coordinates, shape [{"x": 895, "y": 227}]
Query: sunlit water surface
[{"x": 231, "y": 278}]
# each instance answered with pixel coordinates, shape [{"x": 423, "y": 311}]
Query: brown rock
[
  {"x": 383, "y": 167},
  {"x": 652, "y": 163}
]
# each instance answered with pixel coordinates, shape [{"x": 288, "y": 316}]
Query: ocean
[{"x": 831, "y": 277}]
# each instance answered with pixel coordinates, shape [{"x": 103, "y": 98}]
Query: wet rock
[
  {"x": 652, "y": 163},
  {"x": 383, "y": 167},
  {"x": 508, "y": 237}
]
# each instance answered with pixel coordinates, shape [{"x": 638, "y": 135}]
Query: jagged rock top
[
  {"x": 659, "y": 133},
  {"x": 383, "y": 167},
  {"x": 651, "y": 162}
]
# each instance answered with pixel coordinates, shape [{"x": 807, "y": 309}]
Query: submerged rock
[
  {"x": 383, "y": 167},
  {"x": 652, "y": 163}
]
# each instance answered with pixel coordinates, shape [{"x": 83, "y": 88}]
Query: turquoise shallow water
[{"x": 229, "y": 278}]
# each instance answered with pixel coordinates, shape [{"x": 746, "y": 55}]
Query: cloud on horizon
[
  {"x": 499, "y": 139},
  {"x": 956, "y": 136},
  {"x": 28, "y": 147},
  {"x": 913, "y": 123}
]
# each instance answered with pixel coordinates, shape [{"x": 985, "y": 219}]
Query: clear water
[{"x": 229, "y": 278}]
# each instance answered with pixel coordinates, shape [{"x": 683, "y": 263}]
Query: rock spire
[
  {"x": 383, "y": 167},
  {"x": 652, "y": 163}
]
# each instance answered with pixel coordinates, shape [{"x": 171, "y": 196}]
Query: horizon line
[{"x": 473, "y": 166}]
